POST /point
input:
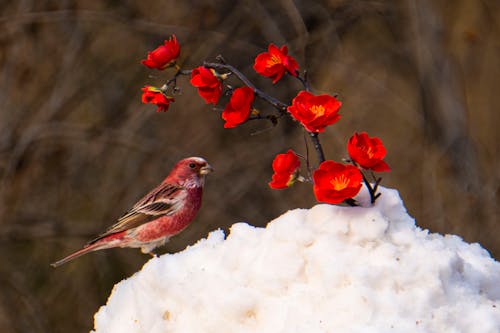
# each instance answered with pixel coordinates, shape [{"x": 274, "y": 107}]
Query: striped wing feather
[{"x": 161, "y": 201}]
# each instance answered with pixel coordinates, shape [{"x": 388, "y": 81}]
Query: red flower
[
  {"x": 286, "y": 169},
  {"x": 275, "y": 62},
  {"x": 367, "y": 152},
  {"x": 164, "y": 55},
  {"x": 154, "y": 95},
  {"x": 209, "y": 86},
  {"x": 315, "y": 112},
  {"x": 335, "y": 182},
  {"x": 238, "y": 108}
]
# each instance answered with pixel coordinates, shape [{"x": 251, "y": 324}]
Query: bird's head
[{"x": 190, "y": 172}]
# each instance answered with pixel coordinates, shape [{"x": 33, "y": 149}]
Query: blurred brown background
[{"x": 77, "y": 147}]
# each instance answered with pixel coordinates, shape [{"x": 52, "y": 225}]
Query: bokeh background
[{"x": 77, "y": 147}]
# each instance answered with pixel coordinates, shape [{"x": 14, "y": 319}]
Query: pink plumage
[{"x": 162, "y": 213}]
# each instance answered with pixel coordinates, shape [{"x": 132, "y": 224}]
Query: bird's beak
[{"x": 206, "y": 169}]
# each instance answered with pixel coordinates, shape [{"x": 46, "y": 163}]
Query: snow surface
[{"x": 326, "y": 269}]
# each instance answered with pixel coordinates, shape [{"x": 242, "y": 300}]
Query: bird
[{"x": 162, "y": 213}]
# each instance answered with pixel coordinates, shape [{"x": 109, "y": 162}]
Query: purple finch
[{"x": 162, "y": 213}]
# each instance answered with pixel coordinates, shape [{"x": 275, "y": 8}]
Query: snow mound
[{"x": 326, "y": 269}]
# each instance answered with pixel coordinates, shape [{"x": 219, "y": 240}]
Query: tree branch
[
  {"x": 318, "y": 147},
  {"x": 371, "y": 190},
  {"x": 280, "y": 106}
]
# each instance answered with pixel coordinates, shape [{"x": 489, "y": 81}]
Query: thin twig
[
  {"x": 373, "y": 197},
  {"x": 308, "y": 164},
  {"x": 304, "y": 81},
  {"x": 317, "y": 145},
  {"x": 174, "y": 79}
]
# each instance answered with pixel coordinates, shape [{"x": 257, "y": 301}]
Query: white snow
[{"x": 326, "y": 269}]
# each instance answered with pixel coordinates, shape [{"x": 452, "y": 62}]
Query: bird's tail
[{"x": 88, "y": 248}]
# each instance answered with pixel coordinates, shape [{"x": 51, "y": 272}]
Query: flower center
[
  {"x": 340, "y": 182},
  {"x": 273, "y": 60},
  {"x": 369, "y": 151},
  {"x": 318, "y": 110}
]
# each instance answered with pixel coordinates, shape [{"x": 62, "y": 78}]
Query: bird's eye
[{"x": 192, "y": 165}]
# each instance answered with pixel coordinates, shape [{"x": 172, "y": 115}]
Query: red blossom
[
  {"x": 154, "y": 95},
  {"x": 286, "y": 168},
  {"x": 209, "y": 86},
  {"x": 335, "y": 182},
  {"x": 237, "y": 110},
  {"x": 315, "y": 112},
  {"x": 367, "y": 152},
  {"x": 275, "y": 62},
  {"x": 164, "y": 55}
]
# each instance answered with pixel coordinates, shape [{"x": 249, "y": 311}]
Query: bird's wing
[{"x": 164, "y": 200}]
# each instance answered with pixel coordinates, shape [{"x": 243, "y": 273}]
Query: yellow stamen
[
  {"x": 340, "y": 182},
  {"x": 370, "y": 152},
  {"x": 273, "y": 60},
  {"x": 318, "y": 110}
]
